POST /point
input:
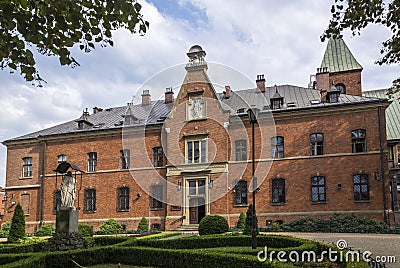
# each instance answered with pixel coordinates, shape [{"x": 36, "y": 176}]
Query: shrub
[
  {"x": 143, "y": 225},
  {"x": 214, "y": 224},
  {"x": 5, "y": 229},
  {"x": 249, "y": 219},
  {"x": 17, "y": 229},
  {"x": 242, "y": 221},
  {"x": 85, "y": 230},
  {"x": 46, "y": 230},
  {"x": 111, "y": 226}
]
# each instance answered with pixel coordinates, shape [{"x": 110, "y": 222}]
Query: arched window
[{"x": 341, "y": 87}]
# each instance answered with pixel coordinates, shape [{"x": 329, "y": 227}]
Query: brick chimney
[
  {"x": 97, "y": 110},
  {"x": 261, "y": 82},
  {"x": 322, "y": 78},
  {"x": 227, "y": 92},
  {"x": 169, "y": 95},
  {"x": 146, "y": 97}
]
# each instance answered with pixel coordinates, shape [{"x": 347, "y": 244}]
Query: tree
[
  {"x": 249, "y": 221},
  {"x": 242, "y": 221},
  {"x": 55, "y": 27},
  {"x": 17, "y": 229},
  {"x": 143, "y": 225},
  {"x": 356, "y": 15}
]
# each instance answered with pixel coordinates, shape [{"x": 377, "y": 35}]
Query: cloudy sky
[{"x": 277, "y": 38}]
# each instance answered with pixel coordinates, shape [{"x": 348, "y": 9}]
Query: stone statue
[{"x": 68, "y": 191}]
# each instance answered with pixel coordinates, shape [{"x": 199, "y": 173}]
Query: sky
[{"x": 280, "y": 39}]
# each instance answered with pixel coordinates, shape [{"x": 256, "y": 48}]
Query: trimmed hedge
[
  {"x": 213, "y": 224},
  {"x": 22, "y": 248}
]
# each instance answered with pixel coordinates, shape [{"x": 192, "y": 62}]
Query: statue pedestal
[
  {"x": 67, "y": 221},
  {"x": 66, "y": 236}
]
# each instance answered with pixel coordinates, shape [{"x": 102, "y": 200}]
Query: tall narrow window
[
  {"x": 361, "y": 187},
  {"x": 61, "y": 158},
  {"x": 241, "y": 193},
  {"x": 156, "y": 197},
  {"x": 57, "y": 200},
  {"x": 358, "y": 140},
  {"x": 158, "y": 156},
  {"x": 125, "y": 158},
  {"x": 196, "y": 151},
  {"x": 25, "y": 203},
  {"x": 92, "y": 161},
  {"x": 317, "y": 143},
  {"x": 277, "y": 147},
  {"x": 27, "y": 167},
  {"x": 318, "y": 189},
  {"x": 90, "y": 200},
  {"x": 241, "y": 150},
  {"x": 278, "y": 191},
  {"x": 123, "y": 198}
]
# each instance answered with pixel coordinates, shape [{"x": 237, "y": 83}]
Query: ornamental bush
[
  {"x": 242, "y": 221},
  {"x": 85, "y": 230},
  {"x": 17, "y": 229},
  {"x": 111, "y": 226},
  {"x": 5, "y": 229},
  {"x": 213, "y": 224},
  {"x": 143, "y": 225},
  {"x": 46, "y": 230},
  {"x": 249, "y": 221}
]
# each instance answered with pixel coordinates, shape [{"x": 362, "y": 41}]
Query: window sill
[
  {"x": 362, "y": 201},
  {"x": 26, "y": 178},
  {"x": 89, "y": 212},
  {"x": 122, "y": 210},
  {"x": 240, "y": 205},
  {"x": 278, "y": 204},
  {"x": 156, "y": 209},
  {"x": 319, "y": 203}
]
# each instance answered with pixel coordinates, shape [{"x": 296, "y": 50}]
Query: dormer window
[
  {"x": 277, "y": 100},
  {"x": 341, "y": 87},
  {"x": 84, "y": 120},
  {"x": 333, "y": 95},
  {"x": 80, "y": 125}
]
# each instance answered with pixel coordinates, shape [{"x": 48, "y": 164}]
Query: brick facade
[{"x": 215, "y": 179}]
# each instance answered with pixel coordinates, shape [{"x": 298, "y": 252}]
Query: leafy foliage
[
  {"x": 85, "y": 230},
  {"x": 17, "y": 229},
  {"x": 249, "y": 221},
  {"x": 46, "y": 230},
  {"x": 213, "y": 224},
  {"x": 111, "y": 226},
  {"x": 349, "y": 223},
  {"x": 143, "y": 225},
  {"x": 55, "y": 27},
  {"x": 356, "y": 15},
  {"x": 5, "y": 229},
  {"x": 242, "y": 221}
]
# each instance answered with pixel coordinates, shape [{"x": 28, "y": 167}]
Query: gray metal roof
[
  {"x": 392, "y": 113},
  {"x": 294, "y": 98}
]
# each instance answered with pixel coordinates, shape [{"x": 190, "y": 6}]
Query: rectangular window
[
  {"x": 27, "y": 167},
  {"x": 90, "y": 200},
  {"x": 61, "y": 158},
  {"x": 125, "y": 158},
  {"x": 278, "y": 191},
  {"x": 156, "y": 197},
  {"x": 123, "y": 198},
  {"x": 277, "y": 147},
  {"x": 92, "y": 161},
  {"x": 57, "y": 200},
  {"x": 196, "y": 151},
  {"x": 197, "y": 187},
  {"x": 25, "y": 203},
  {"x": 358, "y": 140},
  {"x": 361, "y": 187},
  {"x": 241, "y": 150},
  {"x": 241, "y": 193},
  {"x": 318, "y": 189},
  {"x": 317, "y": 143},
  {"x": 158, "y": 156}
]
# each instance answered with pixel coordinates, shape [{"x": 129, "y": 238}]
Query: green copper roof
[
  {"x": 338, "y": 57},
  {"x": 392, "y": 113}
]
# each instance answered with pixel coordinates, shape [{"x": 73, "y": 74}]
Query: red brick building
[{"x": 318, "y": 151}]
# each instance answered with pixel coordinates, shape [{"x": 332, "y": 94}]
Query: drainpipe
[
  {"x": 43, "y": 173},
  {"x": 382, "y": 157}
]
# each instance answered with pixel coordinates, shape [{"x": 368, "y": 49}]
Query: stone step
[{"x": 190, "y": 227}]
